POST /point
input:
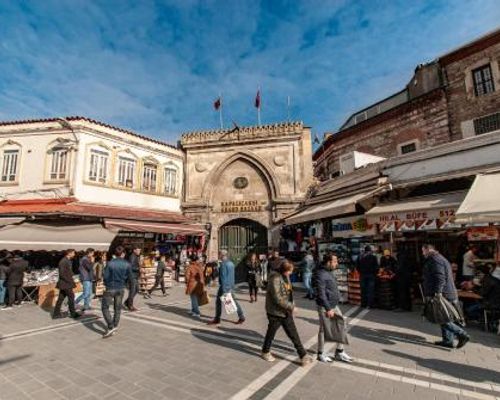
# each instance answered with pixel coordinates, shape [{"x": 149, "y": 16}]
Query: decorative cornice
[{"x": 243, "y": 133}]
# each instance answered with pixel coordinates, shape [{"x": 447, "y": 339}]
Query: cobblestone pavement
[{"x": 160, "y": 352}]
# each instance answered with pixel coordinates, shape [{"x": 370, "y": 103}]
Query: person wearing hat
[{"x": 388, "y": 262}]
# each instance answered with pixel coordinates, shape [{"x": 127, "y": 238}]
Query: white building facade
[{"x": 90, "y": 161}]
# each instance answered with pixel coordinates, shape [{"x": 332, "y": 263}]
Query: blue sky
[{"x": 157, "y": 66}]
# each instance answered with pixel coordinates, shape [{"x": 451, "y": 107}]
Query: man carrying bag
[
  {"x": 442, "y": 305},
  {"x": 332, "y": 325}
]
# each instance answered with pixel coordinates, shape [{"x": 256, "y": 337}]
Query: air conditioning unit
[{"x": 355, "y": 159}]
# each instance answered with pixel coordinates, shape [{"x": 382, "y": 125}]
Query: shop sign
[
  {"x": 241, "y": 206},
  {"x": 482, "y": 233},
  {"x": 131, "y": 234},
  {"x": 418, "y": 215},
  {"x": 347, "y": 227}
]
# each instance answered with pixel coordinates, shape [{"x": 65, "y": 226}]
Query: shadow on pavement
[
  {"x": 458, "y": 370},
  {"x": 14, "y": 359},
  {"x": 181, "y": 311}
]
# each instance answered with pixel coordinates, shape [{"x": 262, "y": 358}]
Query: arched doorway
[{"x": 240, "y": 237}]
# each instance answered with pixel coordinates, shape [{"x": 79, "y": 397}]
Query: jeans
[
  {"x": 195, "y": 309},
  {"x": 306, "y": 279},
  {"x": 133, "y": 288},
  {"x": 321, "y": 333},
  {"x": 367, "y": 290},
  {"x": 63, "y": 293},
  {"x": 114, "y": 296},
  {"x": 15, "y": 294},
  {"x": 288, "y": 325},
  {"x": 3, "y": 289},
  {"x": 159, "y": 281},
  {"x": 252, "y": 286},
  {"x": 218, "y": 306},
  {"x": 451, "y": 330},
  {"x": 86, "y": 296}
]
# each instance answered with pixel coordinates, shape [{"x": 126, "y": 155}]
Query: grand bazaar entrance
[{"x": 241, "y": 237}]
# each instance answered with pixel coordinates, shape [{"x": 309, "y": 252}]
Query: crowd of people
[{"x": 271, "y": 274}]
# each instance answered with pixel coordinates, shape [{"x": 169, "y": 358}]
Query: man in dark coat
[
  {"x": 327, "y": 300},
  {"x": 438, "y": 280},
  {"x": 17, "y": 268},
  {"x": 368, "y": 268},
  {"x": 133, "y": 284},
  {"x": 66, "y": 284}
]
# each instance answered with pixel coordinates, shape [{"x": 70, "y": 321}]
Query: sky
[{"x": 156, "y": 67}]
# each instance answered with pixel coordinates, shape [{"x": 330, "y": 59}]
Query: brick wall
[
  {"x": 463, "y": 104},
  {"x": 424, "y": 119}
]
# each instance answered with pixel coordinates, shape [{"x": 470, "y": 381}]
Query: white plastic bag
[{"x": 228, "y": 302}]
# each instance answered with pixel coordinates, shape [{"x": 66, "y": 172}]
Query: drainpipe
[{"x": 66, "y": 124}]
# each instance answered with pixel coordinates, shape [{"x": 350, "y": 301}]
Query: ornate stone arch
[{"x": 261, "y": 165}]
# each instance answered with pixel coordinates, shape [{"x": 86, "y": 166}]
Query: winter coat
[
  {"x": 226, "y": 276},
  {"x": 86, "y": 270},
  {"x": 65, "y": 281},
  {"x": 438, "y": 277},
  {"x": 253, "y": 269},
  {"x": 368, "y": 265},
  {"x": 490, "y": 291},
  {"x": 17, "y": 268},
  {"x": 326, "y": 289},
  {"x": 195, "y": 279},
  {"x": 279, "y": 295},
  {"x": 117, "y": 272}
]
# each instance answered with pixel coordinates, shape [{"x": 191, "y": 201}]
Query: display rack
[{"x": 341, "y": 273}]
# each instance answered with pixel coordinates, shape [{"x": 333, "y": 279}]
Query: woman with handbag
[
  {"x": 195, "y": 284},
  {"x": 327, "y": 299},
  {"x": 280, "y": 308},
  {"x": 253, "y": 276}
]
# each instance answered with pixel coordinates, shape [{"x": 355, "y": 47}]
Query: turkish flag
[
  {"x": 217, "y": 103},
  {"x": 257, "y": 99}
]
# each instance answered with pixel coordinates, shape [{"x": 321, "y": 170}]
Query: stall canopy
[
  {"x": 10, "y": 220},
  {"x": 437, "y": 206},
  {"x": 54, "y": 237},
  {"x": 344, "y": 205},
  {"x": 156, "y": 227},
  {"x": 481, "y": 205}
]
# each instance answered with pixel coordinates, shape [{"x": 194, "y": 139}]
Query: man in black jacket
[
  {"x": 66, "y": 284},
  {"x": 368, "y": 268},
  {"x": 133, "y": 284},
  {"x": 17, "y": 268},
  {"x": 438, "y": 280},
  {"x": 327, "y": 300}
]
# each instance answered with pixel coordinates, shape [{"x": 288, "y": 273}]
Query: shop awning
[
  {"x": 482, "y": 204},
  {"x": 344, "y": 205},
  {"x": 54, "y": 237},
  {"x": 10, "y": 220},
  {"x": 154, "y": 227},
  {"x": 438, "y": 206}
]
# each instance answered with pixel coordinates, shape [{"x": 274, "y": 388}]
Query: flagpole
[
  {"x": 288, "y": 108},
  {"x": 258, "y": 108},
  {"x": 220, "y": 113}
]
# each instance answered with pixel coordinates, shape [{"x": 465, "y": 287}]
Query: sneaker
[
  {"x": 240, "y": 321},
  {"x": 267, "y": 357},
  {"x": 7, "y": 308},
  {"x": 76, "y": 315},
  {"x": 196, "y": 315},
  {"x": 442, "y": 343},
  {"x": 58, "y": 316},
  {"x": 462, "y": 340},
  {"x": 343, "y": 356},
  {"x": 324, "y": 358},
  {"x": 214, "y": 322},
  {"x": 132, "y": 309},
  {"x": 109, "y": 333},
  {"x": 306, "y": 360}
]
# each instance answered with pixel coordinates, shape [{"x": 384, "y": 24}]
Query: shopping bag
[
  {"x": 335, "y": 329},
  {"x": 439, "y": 310},
  {"x": 203, "y": 299},
  {"x": 229, "y": 304}
]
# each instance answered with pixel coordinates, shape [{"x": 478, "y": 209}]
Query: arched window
[
  {"x": 10, "y": 162},
  {"x": 58, "y": 163},
  {"x": 149, "y": 177},
  {"x": 170, "y": 181}
]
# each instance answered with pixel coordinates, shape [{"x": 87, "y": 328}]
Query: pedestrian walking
[
  {"x": 4, "y": 271},
  {"x": 66, "y": 284},
  {"x": 195, "y": 284},
  {"x": 226, "y": 286},
  {"x": 274, "y": 261},
  {"x": 86, "y": 270},
  {"x": 133, "y": 283},
  {"x": 17, "y": 268},
  {"x": 280, "y": 308},
  {"x": 307, "y": 265},
  {"x": 161, "y": 266},
  {"x": 117, "y": 273},
  {"x": 368, "y": 268},
  {"x": 99, "y": 265},
  {"x": 438, "y": 280},
  {"x": 253, "y": 276},
  {"x": 327, "y": 301}
]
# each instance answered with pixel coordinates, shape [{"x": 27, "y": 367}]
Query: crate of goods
[
  {"x": 342, "y": 282},
  {"x": 168, "y": 279},
  {"x": 99, "y": 288},
  {"x": 354, "y": 288},
  {"x": 147, "y": 278}
]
